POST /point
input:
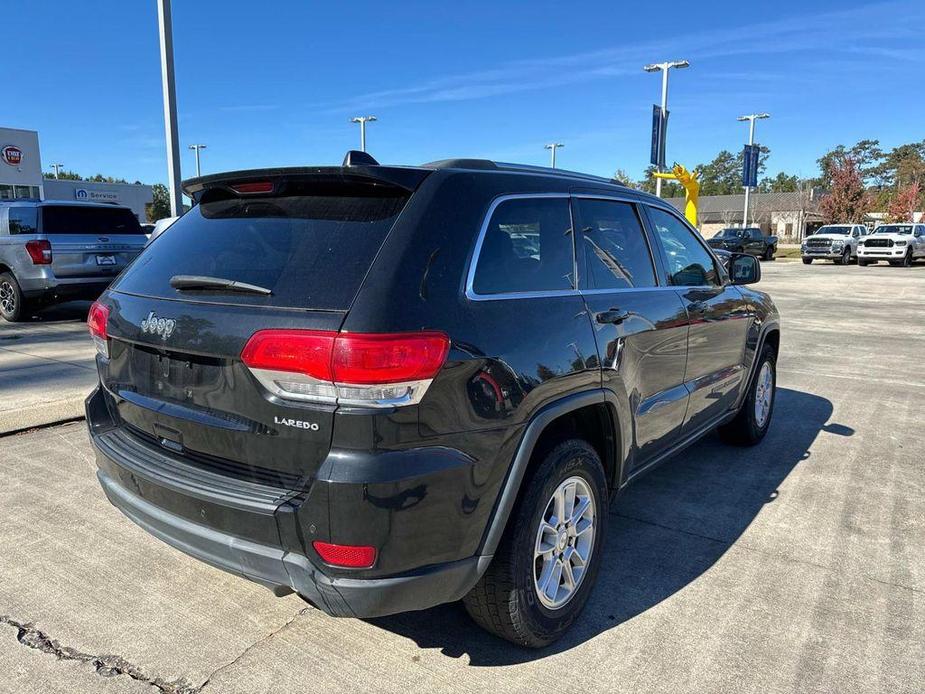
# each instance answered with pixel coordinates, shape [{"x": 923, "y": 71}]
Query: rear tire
[
  {"x": 807, "y": 261},
  {"x": 12, "y": 303},
  {"x": 752, "y": 422},
  {"x": 508, "y": 600}
]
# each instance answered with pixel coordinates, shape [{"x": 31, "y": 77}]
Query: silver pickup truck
[{"x": 52, "y": 251}]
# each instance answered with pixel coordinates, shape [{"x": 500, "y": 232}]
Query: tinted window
[
  {"x": 689, "y": 263},
  {"x": 613, "y": 253},
  {"x": 527, "y": 247},
  {"x": 310, "y": 251},
  {"x": 74, "y": 219},
  {"x": 23, "y": 220}
]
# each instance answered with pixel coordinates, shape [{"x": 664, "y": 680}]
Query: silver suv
[{"x": 55, "y": 251}]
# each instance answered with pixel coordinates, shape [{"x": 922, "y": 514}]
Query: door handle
[{"x": 614, "y": 316}]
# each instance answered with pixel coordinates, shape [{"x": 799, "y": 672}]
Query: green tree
[
  {"x": 65, "y": 175},
  {"x": 781, "y": 183},
  {"x": 620, "y": 176},
  {"x": 722, "y": 176},
  {"x": 100, "y": 178},
  {"x": 670, "y": 189},
  {"x": 159, "y": 208}
]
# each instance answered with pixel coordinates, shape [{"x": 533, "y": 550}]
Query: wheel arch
[{"x": 592, "y": 415}]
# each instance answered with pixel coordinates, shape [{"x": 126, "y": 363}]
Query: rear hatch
[
  {"x": 175, "y": 375},
  {"x": 90, "y": 241}
]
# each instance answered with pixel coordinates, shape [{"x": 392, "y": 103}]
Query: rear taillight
[
  {"x": 96, "y": 322},
  {"x": 346, "y": 556},
  {"x": 39, "y": 251},
  {"x": 377, "y": 369}
]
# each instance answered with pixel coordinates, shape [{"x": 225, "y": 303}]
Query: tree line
[{"x": 850, "y": 181}]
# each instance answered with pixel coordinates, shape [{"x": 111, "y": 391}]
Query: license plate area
[{"x": 105, "y": 260}]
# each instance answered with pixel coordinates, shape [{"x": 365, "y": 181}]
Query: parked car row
[{"x": 899, "y": 244}]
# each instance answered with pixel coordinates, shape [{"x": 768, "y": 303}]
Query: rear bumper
[
  {"x": 285, "y": 572},
  {"x": 46, "y": 284},
  {"x": 260, "y": 532}
]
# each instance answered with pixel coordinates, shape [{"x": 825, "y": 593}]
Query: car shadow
[
  {"x": 69, "y": 312},
  {"x": 664, "y": 531}
]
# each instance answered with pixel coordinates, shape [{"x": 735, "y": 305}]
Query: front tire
[
  {"x": 845, "y": 258},
  {"x": 807, "y": 261},
  {"x": 12, "y": 304},
  {"x": 863, "y": 263},
  {"x": 547, "y": 562},
  {"x": 752, "y": 422},
  {"x": 769, "y": 253},
  {"x": 907, "y": 261}
]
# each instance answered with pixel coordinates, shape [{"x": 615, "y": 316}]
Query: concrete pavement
[
  {"x": 794, "y": 566},
  {"x": 47, "y": 367}
]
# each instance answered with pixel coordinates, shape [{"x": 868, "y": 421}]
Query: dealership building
[{"x": 21, "y": 177}]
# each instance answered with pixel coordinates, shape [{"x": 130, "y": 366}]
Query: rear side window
[
  {"x": 613, "y": 253},
  {"x": 689, "y": 263},
  {"x": 23, "y": 220},
  {"x": 74, "y": 219},
  {"x": 310, "y": 251},
  {"x": 526, "y": 247}
]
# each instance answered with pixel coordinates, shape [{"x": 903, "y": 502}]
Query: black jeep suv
[{"x": 386, "y": 387}]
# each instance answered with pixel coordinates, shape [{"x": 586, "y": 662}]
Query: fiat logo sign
[{"x": 12, "y": 155}]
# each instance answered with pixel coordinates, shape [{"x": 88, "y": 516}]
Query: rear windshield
[
  {"x": 310, "y": 251},
  {"x": 73, "y": 219}
]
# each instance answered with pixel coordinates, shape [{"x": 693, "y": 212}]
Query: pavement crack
[
  {"x": 104, "y": 665},
  {"x": 247, "y": 650}
]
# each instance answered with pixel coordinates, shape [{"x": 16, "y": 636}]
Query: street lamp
[
  {"x": 751, "y": 118},
  {"x": 664, "y": 68},
  {"x": 57, "y": 168},
  {"x": 552, "y": 147},
  {"x": 165, "y": 28},
  {"x": 196, "y": 149},
  {"x": 363, "y": 120}
]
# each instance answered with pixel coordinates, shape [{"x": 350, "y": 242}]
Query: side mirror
[{"x": 744, "y": 269}]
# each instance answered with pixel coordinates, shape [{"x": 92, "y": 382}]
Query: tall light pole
[
  {"x": 751, "y": 118},
  {"x": 363, "y": 120},
  {"x": 170, "y": 107},
  {"x": 552, "y": 147},
  {"x": 664, "y": 67},
  {"x": 57, "y": 168},
  {"x": 197, "y": 149}
]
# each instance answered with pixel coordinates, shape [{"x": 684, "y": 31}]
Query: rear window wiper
[{"x": 204, "y": 282}]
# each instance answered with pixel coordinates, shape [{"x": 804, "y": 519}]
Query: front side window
[
  {"x": 527, "y": 247},
  {"x": 612, "y": 248},
  {"x": 23, "y": 220},
  {"x": 689, "y": 263}
]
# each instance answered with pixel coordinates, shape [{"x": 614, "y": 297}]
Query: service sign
[{"x": 12, "y": 155}]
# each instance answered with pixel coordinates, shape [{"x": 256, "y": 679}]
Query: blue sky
[{"x": 275, "y": 83}]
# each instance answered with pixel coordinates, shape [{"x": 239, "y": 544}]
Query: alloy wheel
[
  {"x": 764, "y": 394},
  {"x": 7, "y": 298},
  {"x": 564, "y": 542}
]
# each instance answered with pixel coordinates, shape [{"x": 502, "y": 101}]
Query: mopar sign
[
  {"x": 98, "y": 195},
  {"x": 12, "y": 155}
]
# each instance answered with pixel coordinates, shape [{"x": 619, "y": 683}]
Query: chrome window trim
[{"x": 472, "y": 295}]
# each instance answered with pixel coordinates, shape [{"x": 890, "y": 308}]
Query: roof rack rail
[
  {"x": 532, "y": 168},
  {"x": 460, "y": 164}
]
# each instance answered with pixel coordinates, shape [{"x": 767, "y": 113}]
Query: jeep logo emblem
[{"x": 158, "y": 326}]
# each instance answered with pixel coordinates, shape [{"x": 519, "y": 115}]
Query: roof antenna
[{"x": 357, "y": 158}]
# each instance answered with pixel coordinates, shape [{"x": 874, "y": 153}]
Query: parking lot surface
[
  {"x": 797, "y": 565},
  {"x": 47, "y": 367}
]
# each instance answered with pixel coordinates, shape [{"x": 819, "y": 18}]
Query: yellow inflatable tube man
[{"x": 688, "y": 179}]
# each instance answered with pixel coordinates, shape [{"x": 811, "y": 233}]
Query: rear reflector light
[
  {"x": 97, "y": 320},
  {"x": 347, "y": 556},
  {"x": 256, "y": 187},
  {"x": 377, "y": 369},
  {"x": 39, "y": 251}
]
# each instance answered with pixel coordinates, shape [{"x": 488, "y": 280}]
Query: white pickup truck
[
  {"x": 900, "y": 244},
  {"x": 835, "y": 242}
]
